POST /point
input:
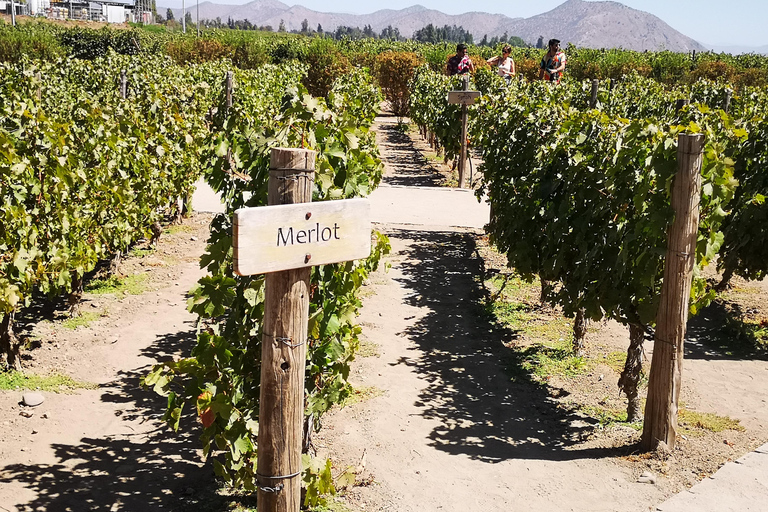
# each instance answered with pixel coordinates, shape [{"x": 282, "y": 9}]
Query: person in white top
[{"x": 504, "y": 63}]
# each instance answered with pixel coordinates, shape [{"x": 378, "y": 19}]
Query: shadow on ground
[
  {"x": 147, "y": 471},
  {"x": 408, "y": 166},
  {"x": 488, "y": 406},
  {"x": 719, "y": 332}
]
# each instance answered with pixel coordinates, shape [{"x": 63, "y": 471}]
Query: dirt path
[
  {"x": 448, "y": 427},
  {"x": 452, "y": 432}
]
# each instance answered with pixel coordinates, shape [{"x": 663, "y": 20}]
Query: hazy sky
[{"x": 711, "y": 22}]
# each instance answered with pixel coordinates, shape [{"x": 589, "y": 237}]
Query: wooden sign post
[
  {"x": 285, "y": 239},
  {"x": 464, "y": 98}
]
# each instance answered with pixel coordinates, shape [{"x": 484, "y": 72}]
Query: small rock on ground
[{"x": 32, "y": 399}]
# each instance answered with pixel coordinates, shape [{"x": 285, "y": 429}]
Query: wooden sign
[
  {"x": 463, "y": 97},
  {"x": 283, "y": 237}
]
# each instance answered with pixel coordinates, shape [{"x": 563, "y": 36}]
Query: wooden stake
[
  {"x": 283, "y": 353},
  {"x": 667, "y": 363},
  {"x": 593, "y": 98},
  {"x": 123, "y": 84},
  {"x": 727, "y": 102},
  {"x": 229, "y": 86},
  {"x": 463, "y": 152}
]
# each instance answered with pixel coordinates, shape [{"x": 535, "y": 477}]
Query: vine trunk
[{"x": 629, "y": 382}]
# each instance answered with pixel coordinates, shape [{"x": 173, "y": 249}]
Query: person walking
[
  {"x": 460, "y": 63},
  {"x": 504, "y": 63},
  {"x": 553, "y": 63}
]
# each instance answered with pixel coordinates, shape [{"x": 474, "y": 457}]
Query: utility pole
[
  {"x": 198, "y": 18},
  {"x": 13, "y": 13},
  {"x": 183, "y": 17}
]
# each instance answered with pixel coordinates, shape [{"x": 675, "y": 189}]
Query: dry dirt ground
[
  {"x": 105, "y": 448},
  {"x": 446, "y": 419}
]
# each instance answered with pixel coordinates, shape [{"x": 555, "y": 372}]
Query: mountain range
[{"x": 585, "y": 24}]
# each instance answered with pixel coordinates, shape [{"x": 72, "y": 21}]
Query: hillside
[
  {"x": 586, "y": 24},
  {"x": 603, "y": 25}
]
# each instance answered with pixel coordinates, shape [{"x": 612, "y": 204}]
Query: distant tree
[
  {"x": 344, "y": 32},
  {"x": 230, "y": 22},
  {"x": 281, "y": 27},
  {"x": 540, "y": 42},
  {"x": 169, "y": 15},
  {"x": 484, "y": 40},
  {"x": 426, "y": 34},
  {"x": 305, "y": 26},
  {"x": 518, "y": 41},
  {"x": 368, "y": 31},
  {"x": 454, "y": 34},
  {"x": 188, "y": 19},
  {"x": 159, "y": 19},
  {"x": 267, "y": 28},
  {"x": 390, "y": 33},
  {"x": 319, "y": 28}
]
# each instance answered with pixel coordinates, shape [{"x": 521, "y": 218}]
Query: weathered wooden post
[
  {"x": 123, "y": 84},
  {"x": 464, "y": 97},
  {"x": 463, "y": 152},
  {"x": 667, "y": 363},
  {"x": 283, "y": 348},
  {"x": 39, "y": 79},
  {"x": 284, "y": 240},
  {"x": 229, "y": 87},
  {"x": 593, "y": 97},
  {"x": 727, "y": 102},
  {"x": 117, "y": 257}
]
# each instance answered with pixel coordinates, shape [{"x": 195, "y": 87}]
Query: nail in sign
[{"x": 284, "y": 237}]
